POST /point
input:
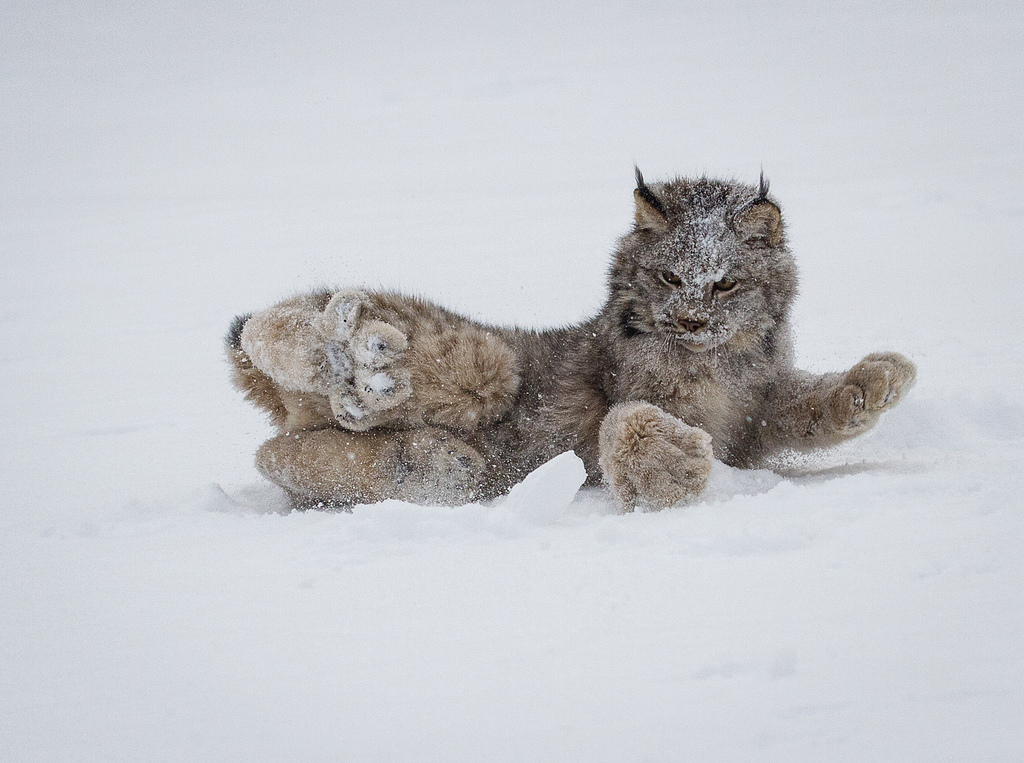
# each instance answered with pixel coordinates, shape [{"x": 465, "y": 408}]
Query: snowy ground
[{"x": 164, "y": 166}]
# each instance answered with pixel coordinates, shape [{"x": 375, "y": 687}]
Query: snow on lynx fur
[{"x": 378, "y": 395}]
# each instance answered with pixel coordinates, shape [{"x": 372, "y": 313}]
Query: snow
[
  {"x": 548, "y": 491},
  {"x": 380, "y": 383},
  {"x": 164, "y": 169},
  {"x": 353, "y": 411}
]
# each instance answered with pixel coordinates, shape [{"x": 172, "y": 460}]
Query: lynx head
[{"x": 706, "y": 265}]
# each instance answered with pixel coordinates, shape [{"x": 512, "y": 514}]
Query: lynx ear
[
  {"x": 650, "y": 213},
  {"x": 760, "y": 218}
]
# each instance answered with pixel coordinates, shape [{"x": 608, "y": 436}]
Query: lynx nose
[{"x": 689, "y": 324}]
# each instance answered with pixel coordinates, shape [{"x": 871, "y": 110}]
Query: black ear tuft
[
  {"x": 760, "y": 217},
  {"x": 645, "y": 193},
  {"x": 650, "y": 212},
  {"x": 762, "y": 188}
]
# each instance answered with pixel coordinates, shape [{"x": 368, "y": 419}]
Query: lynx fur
[{"x": 377, "y": 395}]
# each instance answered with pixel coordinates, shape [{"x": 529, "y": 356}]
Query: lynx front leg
[
  {"x": 652, "y": 459},
  {"x": 332, "y": 467},
  {"x": 818, "y": 411}
]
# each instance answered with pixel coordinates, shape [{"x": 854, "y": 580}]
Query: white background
[{"x": 164, "y": 166}]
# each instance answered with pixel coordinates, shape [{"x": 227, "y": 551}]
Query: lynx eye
[
  {"x": 726, "y": 284},
  {"x": 671, "y": 278}
]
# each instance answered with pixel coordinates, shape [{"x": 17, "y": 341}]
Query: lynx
[{"x": 377, "y": 395}]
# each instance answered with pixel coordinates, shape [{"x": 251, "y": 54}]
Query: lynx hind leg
[
  {"x": 399, "y": 360},
  {"x": 258, "y": 388},
  {"x": 332, "y": 467},
  {"x": 380, "y": 358},
  {"x": 871, "y": 387},
  {"x": 446, "y": 370},
  {"x": 362, "y": 363},
  {"x": 652, "y": 459},
  {"x": 463, "y": 376}
]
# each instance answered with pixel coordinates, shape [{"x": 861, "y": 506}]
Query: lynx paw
[
  {"x": 872, "y": 386},
  {"x": 360, "y": 362},
  {"x": 436, "y": 468},
  {"x": 651, "y": 459}
]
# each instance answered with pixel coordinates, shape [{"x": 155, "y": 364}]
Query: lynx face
[{"x": 706, "y": 265}]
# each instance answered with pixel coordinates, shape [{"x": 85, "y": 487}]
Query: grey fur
[{"x": 691, "y": 354}]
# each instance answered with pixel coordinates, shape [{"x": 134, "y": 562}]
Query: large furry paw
[
  {"x": 463, "y": 376},
  {"x": 334, "y": 468},
  {"x": 652, "y": 459},
  {"x": 359, "y": 362},
  {"x": 872, "y": 386},
  {"x": 436, "y": 468}
]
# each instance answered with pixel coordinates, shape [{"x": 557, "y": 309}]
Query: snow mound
[{"x": 546, "y": 493}]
